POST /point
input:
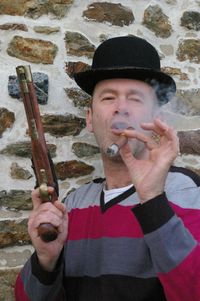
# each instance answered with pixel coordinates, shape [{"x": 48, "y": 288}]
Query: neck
[{"x": 116, "y": 174}]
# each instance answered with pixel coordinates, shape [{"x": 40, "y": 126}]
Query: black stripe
[
  {"x": 98, "y": 180},
  {"x": 154, "y": 213},
  {"x": 116, "y": 200},
  {"x": 188, "y": 172},
  {"x": 113, "y": 288},
  {"x": 45, "y": 277}
]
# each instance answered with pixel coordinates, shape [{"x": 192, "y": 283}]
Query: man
[{"x": 132, "y": 236}]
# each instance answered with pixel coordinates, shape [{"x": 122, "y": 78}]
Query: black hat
[{"x": 127, "y": 57}]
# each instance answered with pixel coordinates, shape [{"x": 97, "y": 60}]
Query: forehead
[{"x": 123, "y": 86}]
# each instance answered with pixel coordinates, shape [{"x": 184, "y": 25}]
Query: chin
[{"x": 116, "y": 158}]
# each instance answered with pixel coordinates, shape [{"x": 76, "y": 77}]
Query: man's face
[{"x": 118, "y": 104}]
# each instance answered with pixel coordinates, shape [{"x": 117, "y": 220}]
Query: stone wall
[{"x": 56, "y": 38}]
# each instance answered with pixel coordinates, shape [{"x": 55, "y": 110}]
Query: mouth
[{"x": 119, "y": 126}]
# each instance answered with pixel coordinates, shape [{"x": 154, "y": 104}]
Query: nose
[{"x": 121, "y": 107}]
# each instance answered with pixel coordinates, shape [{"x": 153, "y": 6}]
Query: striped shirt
[{"x": 124, "y": 251}]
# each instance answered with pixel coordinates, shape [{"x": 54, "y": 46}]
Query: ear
[{"x": 89, "y": 120}]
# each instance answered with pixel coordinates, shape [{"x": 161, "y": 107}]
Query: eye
[
  {"x": 135, "y": 99},
  {"x": 108, "y": 98}
]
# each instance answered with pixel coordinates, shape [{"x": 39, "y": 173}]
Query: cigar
[{"x": 114, "y": 148}]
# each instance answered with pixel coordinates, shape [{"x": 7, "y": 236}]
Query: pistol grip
[{"x": 47, "y": 232}]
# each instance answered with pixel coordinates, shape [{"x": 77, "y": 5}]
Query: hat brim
[{"x": 164, "y": 84}]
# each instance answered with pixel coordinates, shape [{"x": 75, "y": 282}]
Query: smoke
[
  {"x": 184, "y": 102},
  {"x": 163, "y": 91}
]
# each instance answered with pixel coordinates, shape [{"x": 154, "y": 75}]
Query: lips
[{"x": 119, "y": 126}]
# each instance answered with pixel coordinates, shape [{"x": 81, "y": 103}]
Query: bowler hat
[{"x": 127, "y": 57}]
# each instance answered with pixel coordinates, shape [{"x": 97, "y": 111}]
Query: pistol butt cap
[{"x": 47, "y": 232}]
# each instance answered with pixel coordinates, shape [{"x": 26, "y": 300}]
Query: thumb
[
  {"x": 36, "y": 198},
  {"x": 127, "y": 155},
  {"x": 60, "y": 206}
]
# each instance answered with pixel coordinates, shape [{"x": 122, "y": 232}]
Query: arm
[
  {"x": 172, "y": 241},
  {"x": 35, "y": 284},
  {"x": 41, "y": 277},
  {"x": 174, "y": 245}
]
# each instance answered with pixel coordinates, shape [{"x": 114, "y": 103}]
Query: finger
[
  {"x": 148, "y": 141},
  {"x": 60, "y": 207},
  {"x": 55, "y": 217},
  {"x": 35, "y": 219},
  {"x": 160, "y": 128},
  {"x": 166, "y": 134},
  {"x": 161, "y": 124},
  {"x": 35, "y": 194},
  {"x": 127, "y": 155},
  {"x": 46, "y": 213},
  {"x": 174, "y": 140},
  {"x": 157, "y": 126},
  {"x": 52, "y": 219},
  {"x": 55, "y": 208},
  {"x": 36, "y": 198},
  {"x": 120, "y": 131},
  {"x": 170, "y": 137},
  {"x": 131, "y": 133},
  {"x": 171, "y": 134}
]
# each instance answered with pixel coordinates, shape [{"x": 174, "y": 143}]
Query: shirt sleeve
[
  {"x": 174, "y": 247},
  {"x": 35, "y": 284}
]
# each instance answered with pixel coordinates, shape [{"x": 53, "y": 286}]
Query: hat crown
[
  {"x": 127, "y": 57},
  {"x": 126, "y": 52}
]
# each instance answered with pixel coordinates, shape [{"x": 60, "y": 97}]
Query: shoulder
[
  {"x": 85, "y": 195},
  {"x": 183, "y": 187},
  {"x": 185, "y": 174}
]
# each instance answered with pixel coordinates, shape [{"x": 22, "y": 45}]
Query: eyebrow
[
  {"x": 130, "y": 92},
  {"x": 107, "y": 90},
  {"x": 135, "y": 92}
]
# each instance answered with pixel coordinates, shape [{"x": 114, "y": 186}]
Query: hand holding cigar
[{"x": 114, "y": 148}]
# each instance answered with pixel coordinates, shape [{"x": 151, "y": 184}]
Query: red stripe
[
  {"x": 20, "y": 294},
  {"x": 117, "y": 221},
  {"x": 190, "y": 217},
  {"x": 183, "y": 282}
]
